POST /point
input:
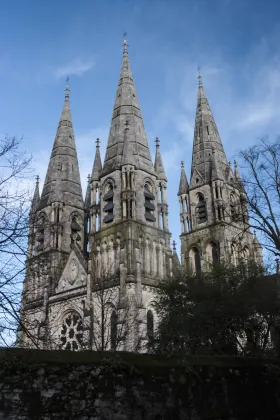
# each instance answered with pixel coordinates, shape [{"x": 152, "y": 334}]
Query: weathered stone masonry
[{"x": 93, "y": 386}]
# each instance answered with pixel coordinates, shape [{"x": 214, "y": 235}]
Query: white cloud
[{"x": 76, "y": 68}]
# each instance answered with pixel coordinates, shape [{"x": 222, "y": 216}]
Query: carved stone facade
[{"x": 94, "y": 264}]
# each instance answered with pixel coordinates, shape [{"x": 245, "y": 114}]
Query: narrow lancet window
[
  {"x": 201, "y": 209},
  {"x": 150, "y": 327},
  {"x": 149, "y": 203},
  {"x": 114, "y": 326},
  {"x": 109, "y": 206}
]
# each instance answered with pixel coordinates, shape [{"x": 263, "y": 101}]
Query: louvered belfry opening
[
  {"x": 149, "y": 205},
  {"x": 109, "y": 206},
  {"x": 201, "y": 210}
]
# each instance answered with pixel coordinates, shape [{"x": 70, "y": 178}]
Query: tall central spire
[
  {"x": 127, "y": 145},
  {"x": 206, "y": 139},
  {"x": 62, "y": 183}
]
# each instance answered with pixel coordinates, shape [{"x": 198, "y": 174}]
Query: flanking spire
[
  {"x": 87, "y": 199},
  {"x": 129, "y": 145},
  {"x": 159, "y": 168},
  {"x": 206, "y": 139},
  {"x": 36, "y": 197},
  {"x": 62, "y": 183},
  {"x": 97, "y": 164},
  {"x": 184, "y": 185}
]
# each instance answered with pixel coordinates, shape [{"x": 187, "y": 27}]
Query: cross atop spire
[
  {"x": 199, "y": 77},
  {"x": 67, "y": 90},
  {"x": 125, "y": 44}
]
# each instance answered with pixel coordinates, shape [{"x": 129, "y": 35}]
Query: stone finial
[
  {"x": 97, "y": 143},
  {"x": 235, "y": 164},
  {"x": 182, "y": 164},
  {"x": 174, "y": 246},
  {"x": 157, "y": 142},
  {"x": 37, "y": 179}
]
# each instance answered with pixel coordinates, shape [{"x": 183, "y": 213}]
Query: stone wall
[{"x": 94, "y": 386}]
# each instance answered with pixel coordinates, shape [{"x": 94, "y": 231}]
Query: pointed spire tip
[
  {"x": 125, "y": 44},
  {"x": 199, "y": 77}
]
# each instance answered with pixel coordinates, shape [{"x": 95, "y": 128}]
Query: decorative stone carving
[{"x": 74, "y": 271}]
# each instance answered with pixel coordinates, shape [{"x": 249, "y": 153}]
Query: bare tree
[
  {"x": 261, "y": 191},
  {"x": 14, "y": 224},
  {"x": 115, "y": 316}
]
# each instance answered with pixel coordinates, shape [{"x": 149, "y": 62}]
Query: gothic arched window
[
  {"x": 114, "y": 330},
  {"x": 150, "y": 326},
  {"x": 215, "y": 253},
  {"x": 40, "y": 234},
  {"x": 245, "y": 254},
  {"x": 149, "y": 203},
  {"x": 201, "y": 212},
  {"x": 71, "y": 334},
  {"x": 195, "y": 260},
  {"x": 109, "y": 206},
  {"x": 232, "y": 203}
]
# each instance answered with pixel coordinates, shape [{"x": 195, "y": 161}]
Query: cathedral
[{"x": 94, "y": 263}]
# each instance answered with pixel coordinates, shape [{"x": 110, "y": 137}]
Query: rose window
[{"x": 71, "y": 332}]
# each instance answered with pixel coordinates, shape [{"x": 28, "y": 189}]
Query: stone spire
[
  {"x": 236, "y": 171},
  {"x": 133, "y": 142},
  {"x": 158, "y": 163},
  {"x": 97, "y": 165},
  {"x": 184, "y": 185},
  {"x": 36, "y": 197},
  {"x": 62, "y": 183},
  {"x": 176, "y": 265},
  {"x": 206, "y": 139},
  {"x": 87, "y": 199}
]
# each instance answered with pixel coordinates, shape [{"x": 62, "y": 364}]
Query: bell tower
[
  {"x": 130, "y": 244},
  {"x": 212, "y": 207}
]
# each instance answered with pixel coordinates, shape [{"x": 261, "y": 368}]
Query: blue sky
[{"x": 235, "y": 42}]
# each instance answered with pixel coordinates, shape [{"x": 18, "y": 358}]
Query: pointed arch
[
  {"x": 201, "y": 211},
  {"x": 195, "y": 258},
  {"x": 114, "y": 330},
  {"x": 150, "y": 326},
  {"x": 213, "y": 252},
  {"x": 108, "y": 198}
]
